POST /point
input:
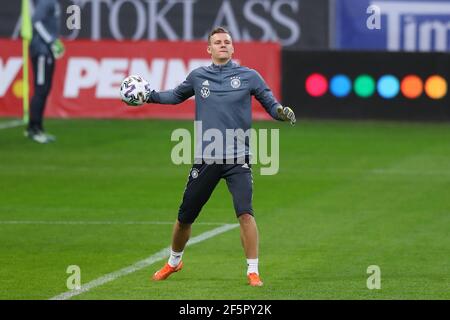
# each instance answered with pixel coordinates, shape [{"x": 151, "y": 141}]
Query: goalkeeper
[
  {"x": 223, "y": 93},
  {"x": 45, "y": 47}
]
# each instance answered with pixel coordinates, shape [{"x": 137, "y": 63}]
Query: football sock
[
  {"x": 175, "y": 258},
  {"x": 252, "y": 266}
]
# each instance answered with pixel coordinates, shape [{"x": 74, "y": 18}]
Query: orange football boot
[
  {"x": 166, "y": 271},
  {"x": 254, "y": 280}
]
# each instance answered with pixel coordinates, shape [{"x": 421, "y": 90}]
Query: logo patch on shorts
[{"x": 194, "y": 173}]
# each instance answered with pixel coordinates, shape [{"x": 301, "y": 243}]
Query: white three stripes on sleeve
[{"x": 43, "y": 32}]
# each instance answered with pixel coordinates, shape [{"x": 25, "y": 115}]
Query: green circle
[{"x": 364, "y": 86}]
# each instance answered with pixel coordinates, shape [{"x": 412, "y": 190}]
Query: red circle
[{"x": 316, "y": 85}]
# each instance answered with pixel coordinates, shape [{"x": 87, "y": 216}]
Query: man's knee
[
  {"x": 183, "y": 225},
  {"x": 246, "y": 217}
]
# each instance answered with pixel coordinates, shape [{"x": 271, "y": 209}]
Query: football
[{"x": 134, "y": 90}]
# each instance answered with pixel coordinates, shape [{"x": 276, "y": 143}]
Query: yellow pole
[
  {"x": 25, "y": 86},
  {"x": 27, "y": 33}
]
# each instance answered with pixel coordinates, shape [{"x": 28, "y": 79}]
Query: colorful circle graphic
[
  {"x": 340, "y": 85},
  {"x": 436, "y": 87},
  {"x": 388, "y": 86},
  {"x": 316, "y": 85},
  {"x": 364, "y": 86},
  {"x": 411, "y": 86}
]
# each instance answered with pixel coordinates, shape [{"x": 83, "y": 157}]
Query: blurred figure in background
[{"x": 45, "y": 48}]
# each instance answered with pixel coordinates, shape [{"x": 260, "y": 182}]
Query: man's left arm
[{"x": 265, "y": 96}]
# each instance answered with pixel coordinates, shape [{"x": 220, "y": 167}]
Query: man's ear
[{"x": 208, "y": 49}]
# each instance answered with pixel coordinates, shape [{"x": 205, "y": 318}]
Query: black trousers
[{"x": 43, "y": 69}]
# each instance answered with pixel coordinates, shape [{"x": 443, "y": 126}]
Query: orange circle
[
  {"x": 436, "y": 87},
  {"x": 411, "y": 86}
]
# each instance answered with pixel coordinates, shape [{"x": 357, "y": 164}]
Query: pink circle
[{"x": 316, "y": 85}]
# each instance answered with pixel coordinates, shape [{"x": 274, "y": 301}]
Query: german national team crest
[{"x": 235, "y": 82}]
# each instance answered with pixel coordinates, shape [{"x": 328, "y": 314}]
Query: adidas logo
[{"x": 205, "y": 83}]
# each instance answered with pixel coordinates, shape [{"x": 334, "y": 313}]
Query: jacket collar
[{"x": 230, "y": 64}]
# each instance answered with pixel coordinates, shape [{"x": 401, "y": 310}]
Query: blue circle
[
  {"x": 340, "y": 85},
  {"x": 388, "y": 86}
]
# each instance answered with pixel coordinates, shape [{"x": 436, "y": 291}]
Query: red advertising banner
[{"x": 87, "y": 79}]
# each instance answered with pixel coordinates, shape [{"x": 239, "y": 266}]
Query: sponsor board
[
  {"x": 393, "y": 25},
  {"x": 88, "y": 77},
  {"x": 293, "y": 23}
]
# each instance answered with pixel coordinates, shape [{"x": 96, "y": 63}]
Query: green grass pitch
[{"x": 348, "y": 195}]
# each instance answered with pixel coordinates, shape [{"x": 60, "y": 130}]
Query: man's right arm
[{"x": 181, "y": 93}]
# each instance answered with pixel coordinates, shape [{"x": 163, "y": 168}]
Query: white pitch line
[
  {"x": 417, "y": 172},
  {"x": 11, "y": 124},
  {"x": 44, "y": 222},
  {"x": 160, "y": 255}
]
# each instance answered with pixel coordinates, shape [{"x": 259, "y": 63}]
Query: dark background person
[{"x": 45, "y": 48}]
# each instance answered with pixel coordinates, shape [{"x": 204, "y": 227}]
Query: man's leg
[
  {"x": 43, "y": 68},
  {"x": 250, "y": 239},
  {"x": 249, "y": 235},
  {"x": 240, "y": 184},
  {"x": 202, "y": 181},
  {"x": 180, "y": 235}
]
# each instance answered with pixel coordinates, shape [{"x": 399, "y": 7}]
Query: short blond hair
[{"x": 217, "y": 30}]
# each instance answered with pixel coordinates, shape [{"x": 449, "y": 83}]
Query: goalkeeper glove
[
  {"x": 57, "y": 48},
  {"x": 286, "y": 114}
]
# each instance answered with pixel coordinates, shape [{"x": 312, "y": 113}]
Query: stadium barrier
[
  {"x": 87, "y": 79},
  {"x": 377, "y": 85}
]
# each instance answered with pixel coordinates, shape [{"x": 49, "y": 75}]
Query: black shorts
[{"x": 203, "y": 178}]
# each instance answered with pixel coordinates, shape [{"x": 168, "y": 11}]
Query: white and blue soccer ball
[{"x": 134, "y": 90}]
